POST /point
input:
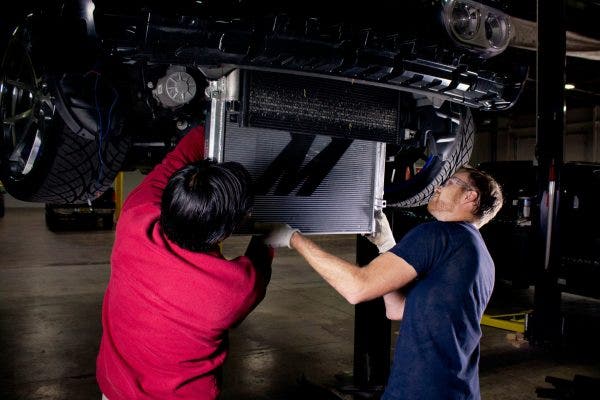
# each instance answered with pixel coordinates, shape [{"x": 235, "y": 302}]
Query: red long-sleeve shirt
[{"x": 167, "y": 310}]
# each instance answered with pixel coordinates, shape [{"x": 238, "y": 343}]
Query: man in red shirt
[{"x": 172, "y": 296}]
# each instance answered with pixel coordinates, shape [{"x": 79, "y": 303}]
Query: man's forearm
[
  {"x": 345, "y": 277},
  {"x": 386, "y": 273}
]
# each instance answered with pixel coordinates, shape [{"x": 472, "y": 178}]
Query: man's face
[{"x": 447, "y": 197}]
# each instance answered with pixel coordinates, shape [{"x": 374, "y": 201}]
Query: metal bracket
[
  {"x": 221, "y": 92},
  {"x": 379, "y": 178},
  {"x": 379, "y": 204}
]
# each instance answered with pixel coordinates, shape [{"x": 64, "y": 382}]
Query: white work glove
[
  {"x": 277, "y": 234},
  {"x": 383, "y": 237}
]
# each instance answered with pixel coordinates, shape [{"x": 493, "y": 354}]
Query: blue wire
[
  {"x": 428, "y": 161},
  {"x": 111, "y": 108},
  {"x": 106, "y": 131},
  {"x": 103, "y": 131}
]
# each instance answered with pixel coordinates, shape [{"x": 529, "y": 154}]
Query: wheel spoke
[
  {"x": 14, "y": 119},
  {"x": 33, "y": 153},
  {"x": 13, "y": 103},
  {"x": 21, "y": 85},
  {"x": 21, "y": 144},
  {"x": 25, "y": 63},
  {"x": 17, "y": 163}
]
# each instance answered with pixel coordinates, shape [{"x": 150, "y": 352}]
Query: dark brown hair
[{"x": 490, "y": 194}]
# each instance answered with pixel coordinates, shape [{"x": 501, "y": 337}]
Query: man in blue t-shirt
[{"x": 437, "y": 280}]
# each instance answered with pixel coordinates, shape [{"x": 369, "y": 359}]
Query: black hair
[
  {"x": 490, "y": 194},
  {"x": 204, "y": 202}
]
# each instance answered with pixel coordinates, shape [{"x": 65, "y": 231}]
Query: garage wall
[{"x": 515, "y": 137}]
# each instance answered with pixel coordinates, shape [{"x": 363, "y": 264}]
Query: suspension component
[{"x": 175, "y": 89}]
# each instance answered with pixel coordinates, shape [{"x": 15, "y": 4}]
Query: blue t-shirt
[{"x": 437, "y": 352}]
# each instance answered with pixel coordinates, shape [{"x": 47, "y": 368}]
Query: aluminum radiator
[{"x": 311, "y": 164}]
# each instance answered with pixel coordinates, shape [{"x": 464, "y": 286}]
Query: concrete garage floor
[{"x": 51, "y": 287}]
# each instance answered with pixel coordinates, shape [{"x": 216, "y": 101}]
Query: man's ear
[{"x": 471, "y": 196}]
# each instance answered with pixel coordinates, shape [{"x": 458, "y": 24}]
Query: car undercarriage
[{"x": 93, "y": 88}]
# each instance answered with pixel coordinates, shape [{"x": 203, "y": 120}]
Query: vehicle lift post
[
  {"x": 119, "y": 179},
  {"x": 546, "y": 324},
  {"x": 372, "y": 333},
  {"x": 372, "y": 329}
]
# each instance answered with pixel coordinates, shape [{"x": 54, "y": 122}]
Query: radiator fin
[{"x": 342, "y": 203}]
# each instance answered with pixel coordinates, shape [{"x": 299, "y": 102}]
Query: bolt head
[{"x": 182, "y": 124}]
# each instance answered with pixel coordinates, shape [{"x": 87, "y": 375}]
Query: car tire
[
  {"x": 61, "y": 137},
  {"x": 405, "y": 186}
]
